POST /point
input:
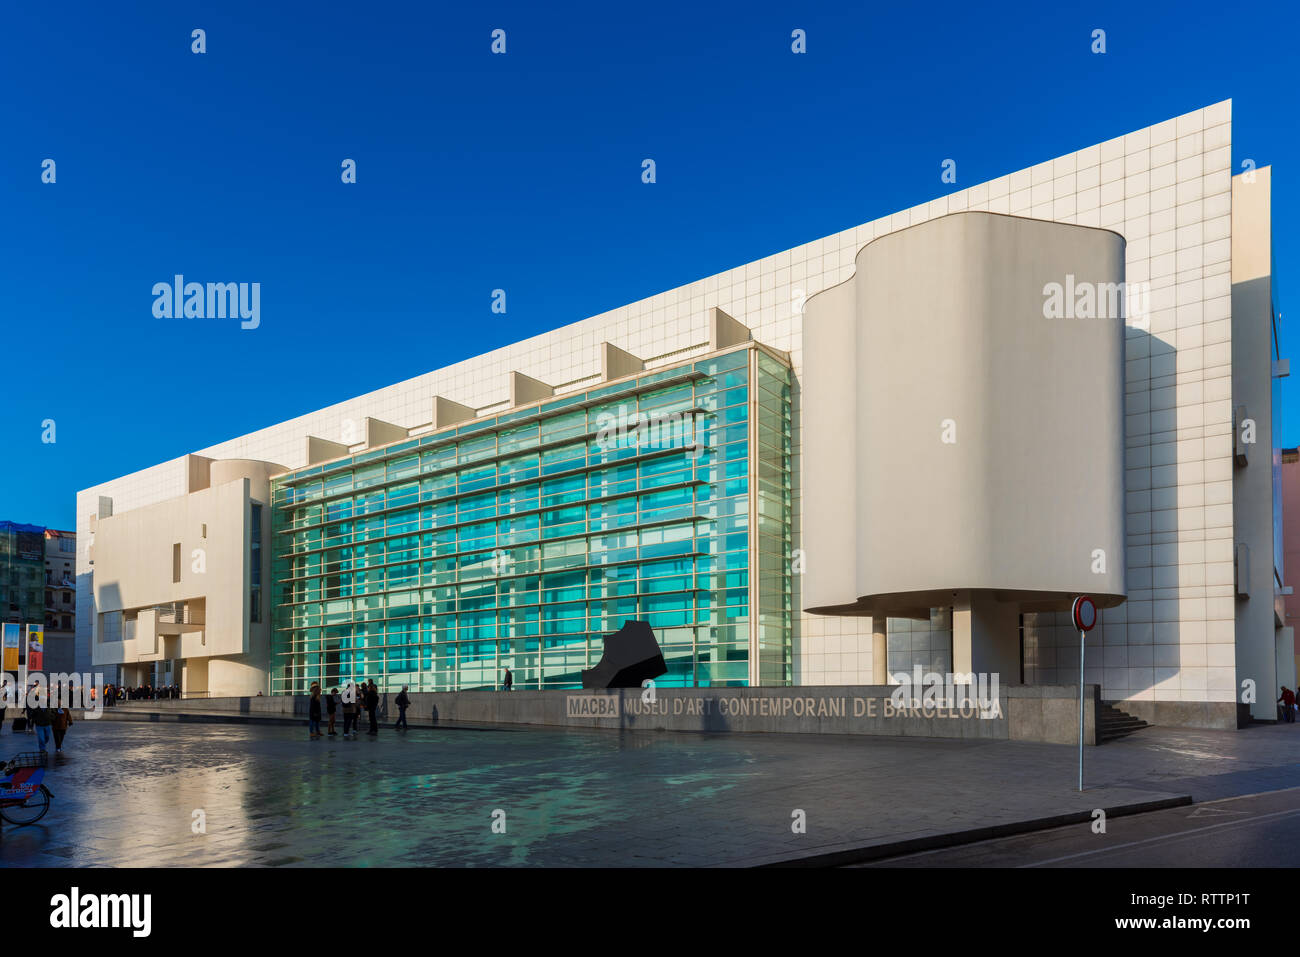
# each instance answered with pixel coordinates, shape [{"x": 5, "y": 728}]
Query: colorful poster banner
[
  {"x": 35, "y": 647},
  {"x": 11, "y": 637}
]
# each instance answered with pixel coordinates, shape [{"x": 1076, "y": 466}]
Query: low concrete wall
[
  {"x": 1221, "y": 716},
  {"x": 1024, "y": 713}
]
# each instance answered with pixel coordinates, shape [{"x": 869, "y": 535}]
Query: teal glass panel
[{"x": 526, "y": 537}]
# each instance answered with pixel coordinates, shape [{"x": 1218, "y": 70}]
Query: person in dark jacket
[
  {"x": 60, "y": 720},
  {"x": 350, "y": 693},
  {"x": 509, "y": 681},
  {"x": 313, "y": 712},
  {"x": 402, "y": 702},
  {"x": 41, "y": 721},
  {"x": 331, "y": 706},
  {"x": 372, "y": 705},
  {"x": 1288, "y": 704},
  {"x": 29, "y": 711}
]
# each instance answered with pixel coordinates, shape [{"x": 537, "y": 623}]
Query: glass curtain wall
[{"x": 520, "y": 540}]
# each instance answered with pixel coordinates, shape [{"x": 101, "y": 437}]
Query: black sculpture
[{"x": 631, "y": 656}]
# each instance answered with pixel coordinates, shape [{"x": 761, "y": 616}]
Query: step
[{"x": 1112, "y": 723}]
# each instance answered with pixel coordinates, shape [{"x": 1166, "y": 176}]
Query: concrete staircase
[{"x": 1113, "y": 724}]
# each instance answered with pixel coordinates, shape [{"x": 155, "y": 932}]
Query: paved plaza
[{"x": 132, "y": 793}]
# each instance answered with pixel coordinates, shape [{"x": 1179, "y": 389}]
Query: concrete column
[
  {"x": 879, "y": 650},
  {"x": 985, "y": 636}
]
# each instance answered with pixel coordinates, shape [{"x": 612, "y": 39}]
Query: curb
[{"x": 932, "y": 842}]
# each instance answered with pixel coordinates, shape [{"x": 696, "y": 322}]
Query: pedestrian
[
  {"x": 402, "y": 702},
  {"x": 1288, "y": 704},
  {"x": 313, "y": 712},
  {"x": 41, "y": 719},
  {"x": 350, "y": 709},
  {"x": 509, "y": 681},
  {"x": 372, "y": 705},
  {"x": 60, "y": 722},
  {"x": 331, "y": 705}
]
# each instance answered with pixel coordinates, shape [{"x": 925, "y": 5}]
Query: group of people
[
  {"x": 356, "y": 701},
  {"x": 143, "y": 693},
  {"x": 40, "y": 719}
]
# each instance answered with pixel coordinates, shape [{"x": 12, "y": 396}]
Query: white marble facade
[{"x": 1167, "y": 188}]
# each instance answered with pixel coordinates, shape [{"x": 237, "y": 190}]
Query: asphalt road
[{"x": 1258, "y": 830}]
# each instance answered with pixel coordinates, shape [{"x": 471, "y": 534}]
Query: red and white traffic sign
[{"x": 1084, "y": 613}]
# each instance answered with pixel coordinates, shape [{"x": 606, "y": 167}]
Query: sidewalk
[{"x": 126, "y": 793}]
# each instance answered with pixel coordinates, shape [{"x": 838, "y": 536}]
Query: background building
[
  {"x": 1290, "y": 473},
  {"x": 1194, "y": 587},
  {"x": 22, "y": 573},
  {"x": 60, "y": 600}
]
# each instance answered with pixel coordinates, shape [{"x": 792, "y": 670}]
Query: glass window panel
[{"x": 475, "y": 450}]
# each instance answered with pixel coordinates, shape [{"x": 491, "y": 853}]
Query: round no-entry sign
[{"x": 1084, "y": 613}]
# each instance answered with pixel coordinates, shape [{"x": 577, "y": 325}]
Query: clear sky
[{"x": 521, "y": 172}]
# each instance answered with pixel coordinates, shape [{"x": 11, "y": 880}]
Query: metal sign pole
[
  {"x": 1084, "y": 615},
  {"x": 1081, "y": 633}
]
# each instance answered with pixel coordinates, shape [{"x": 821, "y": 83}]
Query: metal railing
[{"x": 177, "y": 613}]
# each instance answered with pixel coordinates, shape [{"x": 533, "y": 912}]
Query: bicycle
[{"x": 24, "y": 799}]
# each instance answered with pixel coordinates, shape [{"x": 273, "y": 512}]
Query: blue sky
[{"x": 520, "y": 172}]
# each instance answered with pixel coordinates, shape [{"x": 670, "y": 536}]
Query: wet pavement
[{"x": 177, "y": 794}]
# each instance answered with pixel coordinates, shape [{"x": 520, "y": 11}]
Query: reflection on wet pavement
[
  {"x": 132, "y": 794},
  {"x": 179, "y": 794}
]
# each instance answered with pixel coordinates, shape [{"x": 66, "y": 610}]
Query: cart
[{"x": 24, "y": 799}]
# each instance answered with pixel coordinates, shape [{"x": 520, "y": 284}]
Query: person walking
[
  {"x": 313, "y": 712},
  {"x": 41, "y": 721},
  {"x": 372, "y": 705},
  {"x": 1288, "y": 704},
  {"x": 331, "y": 705},
  {"x": 29, "y": 710},
  {"x": 350, "y": 709},
  {"x": 60, "y": 721},
  {"x": 509, "y": 681},
  {"x": 403, "y": 702}
]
